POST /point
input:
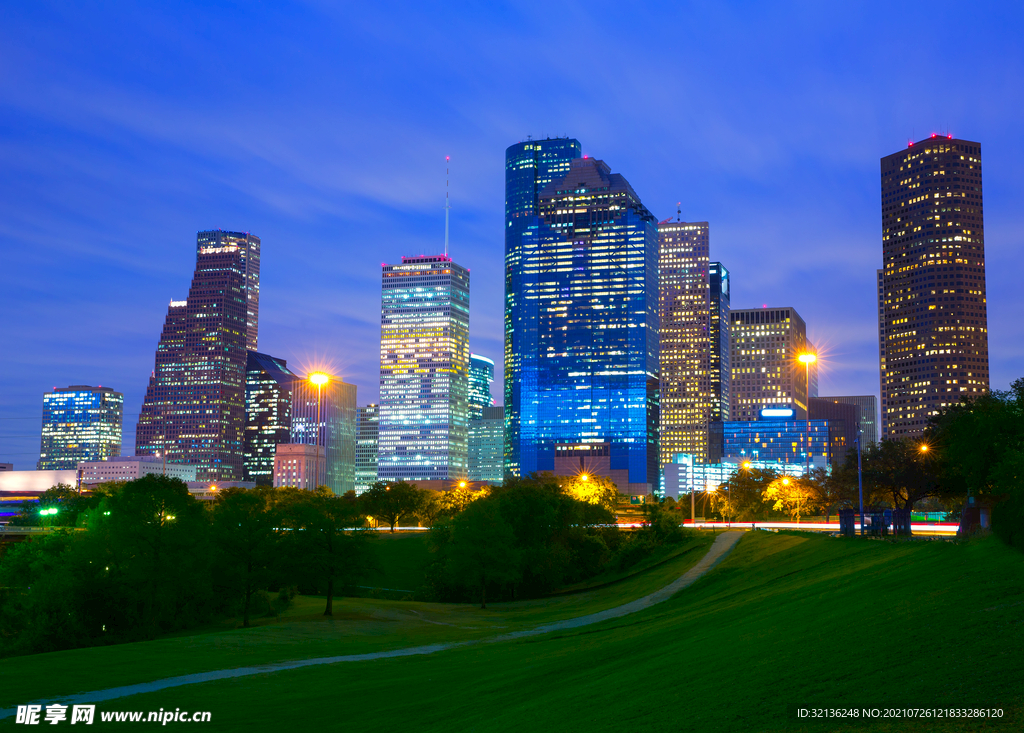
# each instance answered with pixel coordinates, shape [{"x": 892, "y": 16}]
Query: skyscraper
[
  {"x": 481, "y": 375},
  {"x": 268, "y": 413},
  {"x": 424, "y": 370},
  {"x": 247, "y": 247},
  {"x": 932, "y": 317},
  {"x": 867, "y": 405},
  {"x": 80, "y": 423},
  {"x": 529, "y": 167},
  {"x": 721, "y": 368},
  {"x": 486, "y": 445},
  {"x": 582, "y": 324},
  {"x": 335, "y": 432},
  {"x": 684, "y": 327},
  {"x": 367, "y": 424},
  {"x": 194, "y": 409},
  {"x": 764, "y": 351}
]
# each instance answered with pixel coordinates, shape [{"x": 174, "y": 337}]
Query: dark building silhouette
[
  {"x": 843, "y": 425},
  {"x": 721, "y": 367},
  {"x": 268, "y": 413},
  {"x": 194, "y": 409},
  {"x": 932, "y": 317}
]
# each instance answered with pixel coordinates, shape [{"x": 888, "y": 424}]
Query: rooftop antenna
[
  {"x": 447, "y": 204},
  {"x": 679, "y": 211}
]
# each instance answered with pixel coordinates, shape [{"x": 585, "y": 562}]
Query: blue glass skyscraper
[
  {"x": 529, "y": 167},
  {"x": 581, "y": 316}
]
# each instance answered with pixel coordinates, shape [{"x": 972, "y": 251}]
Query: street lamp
[
  {"x": 319, "y": 379},
  {"x": 860, "y": 483},
  {"x": 807, "y": 358}
]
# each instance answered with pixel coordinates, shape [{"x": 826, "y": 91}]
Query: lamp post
[
  {"x": 807, "y": 358},
  {"x": 860, "y": 483},
  {"x": 319, "y": 379}
]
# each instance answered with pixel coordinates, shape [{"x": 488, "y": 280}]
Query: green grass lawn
[
  {"x": 787, "y": 620},
  {"x": 359, "y": 625}
]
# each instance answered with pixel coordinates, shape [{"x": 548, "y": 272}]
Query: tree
[
  {"x": 390, "y": 502},
  {"x": 742, "y": 495},
  {"x": 832, "y": 490},
  {"x": 327, "y": 538},
  {"x": 790, "y": 494},
  {"x": 599, "y": 490},
  {"x": 245, "y": 533},
  {"x": 59, "y": 506},
  {"x": 483, "y": 548},
  {"x": 453, "y": 501},
  {"x": 898, "y": 473}
]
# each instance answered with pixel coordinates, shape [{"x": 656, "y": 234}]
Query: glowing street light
[
  {"x": 807, "y": 358},
  {"x": 924, "y": 448}
]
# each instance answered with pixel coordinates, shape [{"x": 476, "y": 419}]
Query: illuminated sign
[{"x": 777, "y": 412}]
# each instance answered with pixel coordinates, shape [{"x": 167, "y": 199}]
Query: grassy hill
[{"x": 786, "y": 621}]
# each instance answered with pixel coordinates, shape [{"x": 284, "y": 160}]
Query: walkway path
[{"x": 721, "y": 547}]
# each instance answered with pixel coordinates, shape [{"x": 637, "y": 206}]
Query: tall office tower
[
  {"x": 684, "y": 313},
  {"x": 766, "y": 373},
  {"x": 367, "y": 423},
  {"x": 867, "y": 405},
  {"x": 424, "y": 370},
  {"x": 247, "y": 247},
  {"x": 335, "y": 433},
  {"x": 582, "y": 327},
  {"x": 268, "y": 413},
  {"x": 487, "y": 445},
  {"x": 481, "y": 375},
  {"x": 932, "y": 317},
  {"x": 194, "y": 409},
  {"x": 80, "y": 423},
  {"x": 721, "y": 369},
  {"x": 529, "y": 167}
]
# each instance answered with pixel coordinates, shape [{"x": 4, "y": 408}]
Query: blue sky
[{"x": 323, "y": 128}]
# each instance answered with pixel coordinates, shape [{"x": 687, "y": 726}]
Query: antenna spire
[
  {"x": 447, "y": 204},
  {"x": 679, "y": 211}
]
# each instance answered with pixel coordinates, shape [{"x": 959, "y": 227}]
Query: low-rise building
[
  {"x": 295, "y": 465},
  {"x": 129, "y": 468}
]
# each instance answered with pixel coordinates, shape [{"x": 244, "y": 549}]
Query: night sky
[{"x": 323, "y": 128}]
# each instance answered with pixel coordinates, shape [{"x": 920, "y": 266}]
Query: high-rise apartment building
[
  {"x": 487, "y": 445},
  {"x": 582, "y": 324},
  {"x": 424, "y": 370},
  {"x": 684, "y": 303},
  {"x": 932, "y": 316},
  {"x": 194, "y": 409},
  {"x": 529, "y": 167},
  {"x": 268, "y": 413},
  {"x": 867, "y": 405},
  {"x": 325, "y": 416},
  {"x": 80, "y": 423},
  {"x": 481, "y": 376},
  {"x": 367, "y": 424},
  {"x": 764, "y": 353},
  {"x": 721, "y": 368}
]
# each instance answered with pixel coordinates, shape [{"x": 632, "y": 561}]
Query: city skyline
[{"x": 795, "y": 220}]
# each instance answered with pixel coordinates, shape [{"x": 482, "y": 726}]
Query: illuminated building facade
[
  {"x": 721, "y": 368},
  {"x": 424, "y": 370},
  {"x": 335, "y": 432},
  {"x": 779, "y": 439},
  {"x": 80, "y": 423},
  {"x": 529, "y": 167},
  {"x": 194, "y": 409},
  {"x": 684, "y": 305},
  {"x": 129, "y": 468},
  {"x": 487, "y": 445},
  {"x": 764, "y": 350},
  {"x": 367, "y": 424},
  {"x": 295, "y": 465},
  {"x": 268, "y": 413},
  {"x": 582, "y": 364},
  {"x": 481, "y": 376},
  {"x": 932, "y": 317}
]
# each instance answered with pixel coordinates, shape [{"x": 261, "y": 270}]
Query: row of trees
[{"x": 145, "y": 557}]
